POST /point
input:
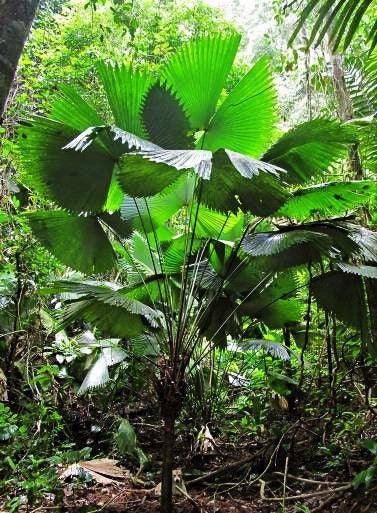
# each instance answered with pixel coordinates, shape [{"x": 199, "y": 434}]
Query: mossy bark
[{"x": 16, "y": 17}]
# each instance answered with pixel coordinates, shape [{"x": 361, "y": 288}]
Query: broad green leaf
[
  {"x": 112, "y": 320},
  {"x": 273, "y": 243},
  {"x": 216, "y": 225},
  {"x": 72, "y": 110},
  {"x": 328, "y": 199},
  {"x": 327, "y": 291},
  {"x": 126, "y": 438},
  {"x": 78, "y": 242},
  {"x": 367, "y": 271},
  {"x": 73, "y": 180},
  {"x": 197, "y": 75},
  {"x": 97, "y": 376},
  {"x": 147, "y": 214},
  {"x": 165, "y": 120},
  {"x": 125, "y": 89},
  {"x": 276, "y": 313},
  {"x": 245, "y": 121},
  {"x": 227, "y": 190},
  {"x": 140, "y": 178},
  {"x": 269, "y": 346},
  {"x": 176, "y": 255},
  {"x": 107, "y": 294},
  {"x": 311, "y": 148},
  {"x": 116, "y": 224}
]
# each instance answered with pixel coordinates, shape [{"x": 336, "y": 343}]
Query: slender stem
[
  {"x": 307, "y": 326},
  {"x": 169, "y": 326},
  {"x": 155, "y": 271}
]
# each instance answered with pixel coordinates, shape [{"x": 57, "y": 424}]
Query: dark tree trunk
[
  {"x": 16, "y": 17},
  {"x": 171, "y": 390},
  {"x": 168, "y": 464}
]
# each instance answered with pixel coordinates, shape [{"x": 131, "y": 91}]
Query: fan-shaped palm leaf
[
  {"x": 245, "y": 120},
  {"x": 332, "y": 198},
  {"x": 275, "y": 349},
  {"x": 88, "y": 251},
  {"x": 197, "y": 75},
  {"x": 126, "y": 89},
  {"x": 165, "y": 120},
  {"x": 310, "y": 148},
  {"x": 73, "y": 181}
]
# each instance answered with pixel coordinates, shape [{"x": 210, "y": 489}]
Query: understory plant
[{"x": 188, "y": 215}]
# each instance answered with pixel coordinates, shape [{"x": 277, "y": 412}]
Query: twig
[
  {"x": 285, "y": 482},
  {"x": 308, "y": 495},
  {"x": 323, "y": 504},
  {"x": 226, "y": 468},
  {"x": 313, "y": 481}
]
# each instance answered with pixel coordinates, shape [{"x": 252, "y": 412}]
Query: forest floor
[
  {"x": 120, "y": 498},
  {"x": 280, "y": 475}
]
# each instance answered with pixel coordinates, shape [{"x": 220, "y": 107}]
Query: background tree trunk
[
  {"x": 16, "y": 17},
  {"x": 345, "y": 113},
  {"x": 345, "y": 109}
]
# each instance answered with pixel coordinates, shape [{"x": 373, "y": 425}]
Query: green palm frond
[
  {"x": 72, "y": 110},
  {"x": 273, "y": 243},
  {"x": 275, "y": 349},
  {"x": 370, "y": 79},
  {"x": 368, "y": 147},
  {"x": 147, "y": 214},
  {"x": 74, "y": 181},
  {"x": 276, "y": 313},
  {"x": 332, "y": 199},
  {"x": 197, "y": 74},
  {"x": 309, "y": 149},
  {"x": 276, "y": 305},
  {"x": 144, "y": 345},
  {"x": 126, "y": 90},
  {"x": 174, "y": 257},
  {"x": 297, "y": 245},
  {"x": 98, "y": 374},
  {"x": 140, "y": 178},
  {"x": 108, "y": 294},
  {"x": 113, "y": 309},
  {"x": 261, "y": 193},
  {"x": 367, "y": 271},
  {"x": 245, "y": 121},
  {"x": 213, "y": 224},
  {"x": 114, "y": 321},
  {"x": 77, "y": 241},
  {"x": 327, "y": 291},
  {"x": 165, "y": 120}
]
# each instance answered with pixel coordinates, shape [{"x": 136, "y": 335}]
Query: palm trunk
[
  {"x": 16, "y": 17},
  {"x": 170, "y": 388},
  {"x": 168, "y": 463}
]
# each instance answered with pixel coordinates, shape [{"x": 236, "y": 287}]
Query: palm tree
[{"x": 202, "y": 235}]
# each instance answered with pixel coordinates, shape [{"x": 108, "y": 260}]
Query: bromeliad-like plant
[{"x": 182, "y": 193}]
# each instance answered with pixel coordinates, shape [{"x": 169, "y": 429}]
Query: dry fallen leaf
[{"x": 102, "y": 470}]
